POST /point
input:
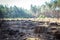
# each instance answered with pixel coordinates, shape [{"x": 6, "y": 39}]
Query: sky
[{"x": 23, "y": 3}]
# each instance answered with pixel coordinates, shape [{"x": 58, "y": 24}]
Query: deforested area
[
  {"x": 29, "y": 30},
  {"x": 29, "y": 19}
]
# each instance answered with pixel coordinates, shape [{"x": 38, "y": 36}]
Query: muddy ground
[{"x": 22, "y": 29}]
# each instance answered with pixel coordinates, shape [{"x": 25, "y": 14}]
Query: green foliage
[
  {"x": 36, "y": 10},
  {"x": 46, "y": 10},
  {"x": 42, "y": 16},
  {"x": 13, "y": 12},
  {"x": 33, "y": 8}
]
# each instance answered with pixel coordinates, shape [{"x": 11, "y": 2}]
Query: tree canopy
[{"x": 49, "y": 9}]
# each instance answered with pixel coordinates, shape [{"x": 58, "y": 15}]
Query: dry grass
[
  {"x": 35, "y": 19},
  {"x": 33, "y": 39}
]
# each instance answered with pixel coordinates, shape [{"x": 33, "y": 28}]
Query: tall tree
[{"x": 35, "y": 10}]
